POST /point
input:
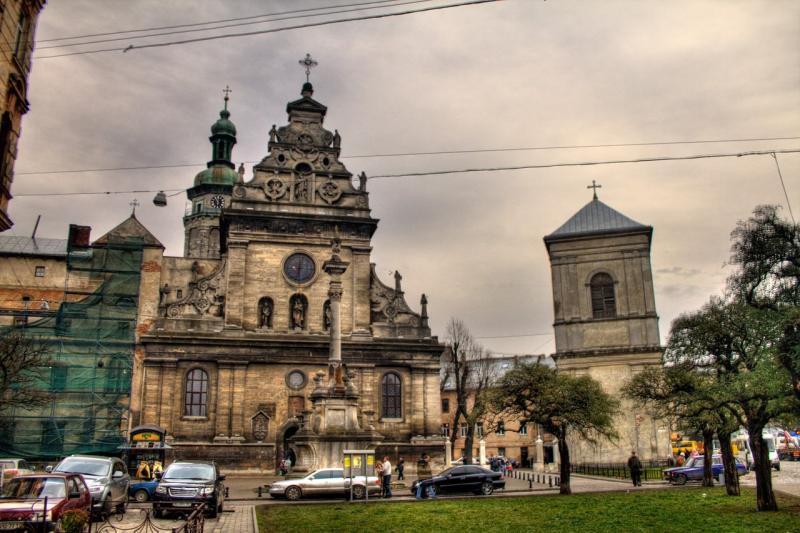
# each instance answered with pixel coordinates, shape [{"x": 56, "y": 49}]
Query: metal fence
[{"x": 651, "y": 470}]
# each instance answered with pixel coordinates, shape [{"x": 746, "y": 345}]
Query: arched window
[
  {"x": 603, "y": 301},
  {"x": 196, "y": 393},
  {"x": 391, "y": 396}
]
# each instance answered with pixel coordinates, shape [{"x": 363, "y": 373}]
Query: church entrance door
[{"x": 284, "y": 449}]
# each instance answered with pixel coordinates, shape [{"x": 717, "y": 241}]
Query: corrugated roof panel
[{"x": 27, "y": 246}]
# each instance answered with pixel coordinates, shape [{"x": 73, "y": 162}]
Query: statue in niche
[
  {"x": 273, "y": 134},
  {"x": 265, "y": 313},
  {"x": 337, "y": 139},
  {"x": 362, "y": 181},
  {"x": 301, "y": 189},
  {"x": 327, "y": 316},
  {"x": 298, "y": 314}
]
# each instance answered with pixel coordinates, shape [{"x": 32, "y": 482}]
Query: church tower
[
  {"x": 211, "y": 191},
  {"x": 605, "y": 317}
]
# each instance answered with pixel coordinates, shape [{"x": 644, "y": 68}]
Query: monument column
[{"x": 335, "y": 267}]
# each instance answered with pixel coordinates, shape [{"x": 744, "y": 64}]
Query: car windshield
[
  {"x": 34, "y": 487},
  {"x": 448, "y": 471},
  {"x": 87, "y": 467},
  {"x": 189, "y": 471},
  {"x": 694, "y": 461}
]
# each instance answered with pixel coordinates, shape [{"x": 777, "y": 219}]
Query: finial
[
  {"x": 227, "y": 90},
  {"x": 308, "y": 63},
  {"x": 397, "y": 279},
  {"x": 595, "y": 187},
  {"x": 134, "y": 204}
]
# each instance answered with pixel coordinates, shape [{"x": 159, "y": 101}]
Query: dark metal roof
[
  {"x": 27, "y": 246},
  {"x": 596, "y": 217}
]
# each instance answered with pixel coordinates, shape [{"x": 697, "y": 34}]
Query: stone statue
[
  {"x": 328, "y": 318},
  {"x": 397, "y": 279},
  {"x": 273, "y": 134},
  {"x": 337, "y": 139},
  {"x": 240, "y": 179},
  {"x": 298, "y": 314},
  {"x": 266, "y": 313},
  {"x": 362, "y": 181}
]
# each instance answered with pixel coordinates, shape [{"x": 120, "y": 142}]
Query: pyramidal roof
[
  {"x": 130, "y": 227},
  {"x": 593, "y": 218}
]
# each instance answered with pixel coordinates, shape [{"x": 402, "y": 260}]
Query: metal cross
[
  {"x": 134, "y": 204},
  {"x": 308, "y": 63},
  {"x": 595, "y": 187},
  {"x": 227, "y": 90}
]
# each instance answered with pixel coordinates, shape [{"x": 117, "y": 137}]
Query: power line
[
  {"x": 516, "y": 336},
  {"x": 273, "y": 30},
  {"x": 487, "y": 169},
  {"x": 220, "y": 21},
  {"x": 584, "y": 163},
  {"x": 786, "y": 194},
  {"x": 194, "y": 30},
  {"x": 440, "y": 152}
]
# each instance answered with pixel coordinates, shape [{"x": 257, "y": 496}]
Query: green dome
[
  {"x": 223, "y": 125},
  {"x": 216, "y": 175}
]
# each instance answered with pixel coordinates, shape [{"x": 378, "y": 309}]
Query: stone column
[
  {"x": 482, "y": 452},
  {"x": 335, "y": 267},
  {"x": 448, "y": 453},
  {"x": 556, "y": 455},
  {"x": 539, "y": 467}
]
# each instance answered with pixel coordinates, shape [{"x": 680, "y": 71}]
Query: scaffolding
[{"x": 91, "y": 339}]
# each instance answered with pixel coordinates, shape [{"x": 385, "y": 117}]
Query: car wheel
[
  {"x": 778, "y": 467},
  {"x": 158, "y": 513},
  {"x": 359, "y": 492},
  {"x": 214, "y": 511},
  {"x": 430, "y": 491},
  {"x": 293, "y": 493},
  {"x": 122, "y": 507},
  {"x": 141, "y": 496},
  {"x": 487, "y": 488},
  {"x": 681, "y": 479}
]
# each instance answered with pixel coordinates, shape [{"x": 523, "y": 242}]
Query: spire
[{"x": 221, "y": 170}]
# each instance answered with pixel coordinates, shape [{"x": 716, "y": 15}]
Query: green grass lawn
[{"x": 672, "y": 510}]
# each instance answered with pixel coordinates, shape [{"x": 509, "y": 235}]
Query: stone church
[
  {"x": 238, "y": 327},
  {"x": 605, "y": 323}
]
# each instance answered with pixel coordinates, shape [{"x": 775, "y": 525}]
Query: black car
[
  {"x": 186, "y": 484},
  {"x": 461, "y": 479}
]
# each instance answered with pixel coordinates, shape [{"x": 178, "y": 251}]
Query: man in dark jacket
[{"x": 635, "y": 466}]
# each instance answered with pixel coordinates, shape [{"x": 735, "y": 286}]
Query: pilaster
[{"x": 234, "y": 298}]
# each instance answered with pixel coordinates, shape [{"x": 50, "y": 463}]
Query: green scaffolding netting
[{"x": 91, "y": 341}]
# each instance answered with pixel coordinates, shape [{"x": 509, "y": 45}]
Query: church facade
[
  {"x": 237, "y": 328},
  {"x": 606, "y": 323}
]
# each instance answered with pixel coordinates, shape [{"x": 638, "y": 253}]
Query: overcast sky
[{"x": 520, "y": 73}]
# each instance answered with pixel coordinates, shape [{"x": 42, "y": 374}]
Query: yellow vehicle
[{"x": 688, "y": 446}]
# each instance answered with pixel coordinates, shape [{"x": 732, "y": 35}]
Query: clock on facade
[
  {"x": 217, "y": 202},
  {"x": 299, "y": 268}
]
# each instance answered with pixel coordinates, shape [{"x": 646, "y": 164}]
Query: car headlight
[
  {"x": 206, "y": 491},
  {"x": 160, "y": 489},
  {"x": 96, "y": 488}
]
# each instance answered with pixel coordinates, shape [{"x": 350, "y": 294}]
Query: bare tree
[
  {"x": 466, "y": 367},
  {"x": 22, "y": 359}
]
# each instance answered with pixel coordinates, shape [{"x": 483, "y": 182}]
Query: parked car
[
  {"x": 324, "y": 482},
  {"x": 184, "y": 485},
  {"x": 460, "y": 461},
  {"x": 693, "y": 470},
  {"x": 22, "y": 501},
  {"x": 142, "y": 491},
  {"x": 461, "y": 479},
  {"x": 13, "y": 467},
  {"x": 106, "y": 477}
]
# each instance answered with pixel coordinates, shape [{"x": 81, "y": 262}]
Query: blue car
[
  {"x": 693, "y": 470},
  {"x": 142, "y": 491}
]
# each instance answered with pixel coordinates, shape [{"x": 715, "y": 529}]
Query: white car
[
  {"x": 13, "y": 467},
  {"x": 324, "y": 482}
]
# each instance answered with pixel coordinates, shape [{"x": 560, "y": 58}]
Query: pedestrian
[
  {"x": 680, "y": 460},
  {"x": 401, "y": 466},
  {"x": 387, "y": 478},
  {"x": 379, "y": 475},
  {"x": 509, "y": 469},
  {"x": 282, "y": 467},
  {"x": 636, "y": 469}
]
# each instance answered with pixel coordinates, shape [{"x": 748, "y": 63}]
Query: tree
[
  {"x": 21, "y": 360},
  {"x": 466, "y": 366},
  {"x": 766, "y": 249},
  {"x": 564, "y": 405}
]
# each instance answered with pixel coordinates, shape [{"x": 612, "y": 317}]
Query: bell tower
[{"x": 211, "y": 192}]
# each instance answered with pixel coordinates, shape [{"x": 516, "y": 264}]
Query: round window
[
  {"x": 296, "y": 379},
  {"x": 299, "y": 268}
]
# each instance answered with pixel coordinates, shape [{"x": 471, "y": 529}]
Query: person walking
[
  {"x": 387, "y": 478},
  {"x": 635, "y": 466},
  {"x": 401, "y": 466}
]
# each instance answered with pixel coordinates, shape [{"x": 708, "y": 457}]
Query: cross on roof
[
  {"x": 308, "y": 63},
  {"x": 134, "y": 204},
  {"x": 227, "y": 90},
  {"x": 595, "y": 187}
]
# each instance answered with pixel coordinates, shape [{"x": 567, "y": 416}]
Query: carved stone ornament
[
  {"x": 205, "y": 296},
  {"x": 275, "y": 189},
  {"x": 239, "y": 192},
  {"x": 329, "y": 191},
  {"x": 260, "y": 423},
  {"x": 388, "y": 304}
]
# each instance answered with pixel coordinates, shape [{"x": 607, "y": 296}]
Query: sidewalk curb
[{"x": 255, "y": 519}]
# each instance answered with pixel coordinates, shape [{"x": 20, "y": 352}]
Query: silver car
[
  {"x": 323, "y": 482},
  {"x": 106, "y": 477}
]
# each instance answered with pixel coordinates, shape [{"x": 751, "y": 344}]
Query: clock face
[
  {"x": 217, "y": 202},
  {"x": 299, "y": 268}
]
